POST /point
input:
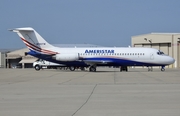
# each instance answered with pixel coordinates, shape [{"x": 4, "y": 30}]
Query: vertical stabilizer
[{"x": 33, "y": 40}]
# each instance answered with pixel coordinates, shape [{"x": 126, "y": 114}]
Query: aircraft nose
[{"x": 171, "y": 60}]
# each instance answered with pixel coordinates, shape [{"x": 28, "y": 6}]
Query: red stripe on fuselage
[{"x": 32, "y": 46}]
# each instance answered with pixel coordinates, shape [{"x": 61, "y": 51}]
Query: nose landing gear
[
  {"x": 163, "y": 68},
  {"x": 151, "y": 69}
]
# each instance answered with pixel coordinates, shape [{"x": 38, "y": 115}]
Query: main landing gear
[
  {"x": 92, "y": 69},
  {"x": 123, "y": 68},
  {"x": 150, "y": 68},
  {"x": 72, "y": 68}
]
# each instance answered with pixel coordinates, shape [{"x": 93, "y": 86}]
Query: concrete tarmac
[{"x": 107, "y": 92}]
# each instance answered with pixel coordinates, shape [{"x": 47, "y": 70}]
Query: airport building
[
  {"x": 169, "y": 43},
  {"x": 2, "y": 58},
  {"x": 19, "y": 59}
]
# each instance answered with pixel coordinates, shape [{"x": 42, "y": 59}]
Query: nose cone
[
  {"x": 166, "y": 60},
  {"x": 170, "y": 60}
]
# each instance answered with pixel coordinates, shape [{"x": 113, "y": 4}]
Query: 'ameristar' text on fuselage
[{"x": 99, "y": 51}]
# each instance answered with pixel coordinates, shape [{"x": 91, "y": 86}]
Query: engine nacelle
[{"x": 66, "y": 57}]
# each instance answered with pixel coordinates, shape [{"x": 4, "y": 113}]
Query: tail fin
[{"x": 34, "y": 41}]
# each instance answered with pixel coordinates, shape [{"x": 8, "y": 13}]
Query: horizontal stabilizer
[{"x": 22, "y": 29}]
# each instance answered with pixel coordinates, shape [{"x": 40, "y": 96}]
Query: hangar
[
  {"x": 19, "y": 59},
  {"x": 169, "y": 43},
  {"x": 3, "y": 58}
]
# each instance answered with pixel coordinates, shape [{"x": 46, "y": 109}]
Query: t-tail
[{"x": 34, "y": 41}]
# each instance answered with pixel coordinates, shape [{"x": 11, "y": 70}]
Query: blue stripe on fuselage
[
  {"x": 122, "y": 62},
  {"x": 114, "y": 61}
]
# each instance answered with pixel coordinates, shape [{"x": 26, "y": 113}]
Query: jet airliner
[{"x": 92, "y": 57}]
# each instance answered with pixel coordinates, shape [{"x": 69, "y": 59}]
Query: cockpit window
[{"x": 160, "y": 53}]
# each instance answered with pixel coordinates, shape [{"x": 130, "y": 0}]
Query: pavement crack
[
  {"x": 115, "y": 75},
  {"x": 73, "y": 79},
  {"x": 85, "y": 101}
]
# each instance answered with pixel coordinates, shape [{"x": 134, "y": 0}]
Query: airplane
[{"x": 92, "y": 57}]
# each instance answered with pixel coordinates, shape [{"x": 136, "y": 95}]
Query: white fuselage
[{"x": 121, "y": 55}]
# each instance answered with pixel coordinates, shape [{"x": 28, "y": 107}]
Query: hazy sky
[{"x": 101, "y": 22}]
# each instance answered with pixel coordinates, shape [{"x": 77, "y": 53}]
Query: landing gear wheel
[
  {"x": 92, "y": 69},
  {"x": 162, "y": 69},
  {"x": 37, "y": 67},
  {"x": 72, "y": 68},
  {"x": 123, "y": 68},
  {"x": 150, "y": 68}
]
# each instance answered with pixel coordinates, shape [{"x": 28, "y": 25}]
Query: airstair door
[{"x": 151, "y": 56}]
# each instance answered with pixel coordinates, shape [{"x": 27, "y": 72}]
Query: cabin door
[{"x": 151, "y": 56}]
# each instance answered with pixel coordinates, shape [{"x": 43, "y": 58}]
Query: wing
[{"x": 92, "y": 62}]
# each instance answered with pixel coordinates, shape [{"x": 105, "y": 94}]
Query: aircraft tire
[
  {"x": 92, "y": 69},
  {"x": 162, "y": 69},
  {"x": 72, "y": 68},
  {"x": 150, "y": 69},
  {"x": 123, "y": 68}
]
